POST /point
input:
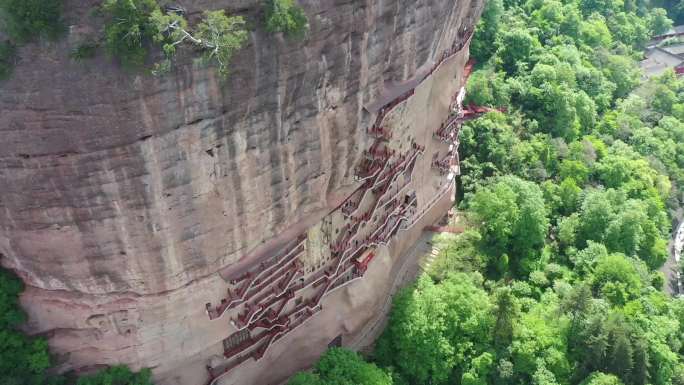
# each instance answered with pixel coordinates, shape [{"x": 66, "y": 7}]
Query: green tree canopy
[
  {"x": 285, "y": 16},
  {"x": 481, "y": 47},
  {"x": 342, "y": 367},
  {"x": 133, "y": 24},
  {"x": 221, "y": 36},
  {"x": 117, "y": 375},
  {"x": 514, "y": 221},
  {"x": 128, "y": 28},
  {"x": 599, "y": 378},
  {"x": 27, "y": 19},
  {"x": 516, "y": 50},
  {"x": 436, "y": 329},
  {"x": 616, "y": 277}
]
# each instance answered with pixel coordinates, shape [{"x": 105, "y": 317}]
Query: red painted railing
[
  {"x": 264, "y": 273},
  {"x": 267, "y": 289}
]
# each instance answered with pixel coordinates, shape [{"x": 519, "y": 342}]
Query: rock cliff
[{"x": 130, "y": 202}]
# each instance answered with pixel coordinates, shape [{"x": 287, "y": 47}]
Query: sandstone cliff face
[{"x": 123, "y": 196}]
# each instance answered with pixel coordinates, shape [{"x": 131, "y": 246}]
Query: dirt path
[{"x": 673, "y": 285}]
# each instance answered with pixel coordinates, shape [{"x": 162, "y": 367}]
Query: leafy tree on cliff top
[
  {"x": 222, "y": 36},
  {"x": 133, "y": 24},
  {"x": 7, "y": 58},
  {"x": 128, "y": 29},
  {"x": 285, "y": 16},
  {"x": 27, "y": 19},
  {"x": 218, "y": 35}
]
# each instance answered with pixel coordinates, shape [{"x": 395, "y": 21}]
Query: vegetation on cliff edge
[
  {"x": 7, "y": 58},
  {"x": 285, "y": 16},
  {"x": 25, "y": 20},
  {"x": 132, "y": 26}
]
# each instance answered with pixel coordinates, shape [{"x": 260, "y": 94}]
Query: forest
[{"x": 569, "y": 199}]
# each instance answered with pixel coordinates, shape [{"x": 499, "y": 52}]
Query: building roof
[
  {"x": 658, "y": 60},
  {"x": 662, "y": 55},
  {"x": 652, "y": 68},
  {"x": 675, "y": 49},
  {"x": 676, "y": 30}
]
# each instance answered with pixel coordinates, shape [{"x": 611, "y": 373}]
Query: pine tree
[
  {"x": 506, "y": 313},
  {"x": 620, "y": 354},
  {"x": 592, "y": 346},
  {"x": 641, "y": 365},
  {"x": 577, "y": 304}
]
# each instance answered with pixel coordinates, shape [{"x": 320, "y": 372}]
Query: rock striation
[{"x": 153, "y": 219}]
